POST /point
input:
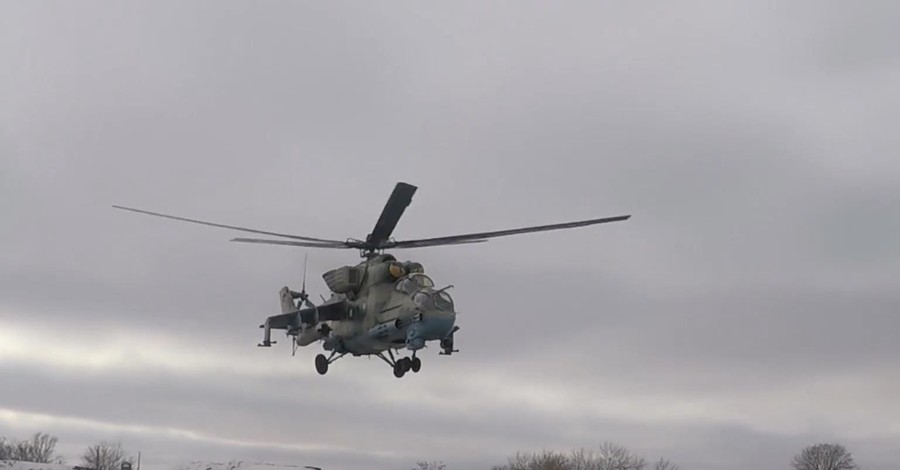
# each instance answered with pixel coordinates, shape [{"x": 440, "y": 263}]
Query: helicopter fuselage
[{"x": 390, "y": 306}]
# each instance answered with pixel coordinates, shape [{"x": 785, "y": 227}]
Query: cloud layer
[{"x": 746, "y": 310}]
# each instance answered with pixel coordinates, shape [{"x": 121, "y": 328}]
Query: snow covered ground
[
  {"x": 235, "y": 465},
  {"x": 9, "y": 465},
  {"x": 232, "y": 465}
]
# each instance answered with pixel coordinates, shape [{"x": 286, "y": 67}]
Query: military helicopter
[{"x": 380, "y": 305}]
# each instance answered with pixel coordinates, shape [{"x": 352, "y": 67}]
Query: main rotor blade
[
  {"x": 424, "y": 243},
  {"x": 242, "y": 229},
  {"x": 305, "y": 259},
  {"x": 292, "y": 243},
  {"x": 482, "y": 236},
  {"x": 390, "y": 215}
]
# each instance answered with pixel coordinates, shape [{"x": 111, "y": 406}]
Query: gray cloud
[{"x": 745, "y": 311}]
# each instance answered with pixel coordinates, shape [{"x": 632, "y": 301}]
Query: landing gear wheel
[
  {"x": 321, "y": 364},
  {"x": 399, "y": 370},
  {"x": 416, "y": 364},
  {"x": 407, "y": 364}
]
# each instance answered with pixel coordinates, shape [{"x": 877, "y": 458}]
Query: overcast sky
[{"x": 749, "y": 307}]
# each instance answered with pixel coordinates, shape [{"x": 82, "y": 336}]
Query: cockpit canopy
[
  {"x": 414, "y": 282},
  {"x": 433, "y": 300},
  {"x": 421, "y": 287},
  {"x": 443, "y": 301}
]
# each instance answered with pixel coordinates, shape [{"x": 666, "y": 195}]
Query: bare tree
[
  {"x": 824, "y": 457},
  {"x": 663, "y": 464},
  {"x": 610, "y": 456},
  {"x": 424, "y": 465},
  {"x": 516, "y": 462},
  {"x": 607, "y": 456},
  {"x": 104, "y": 456},
  {"x": 547, "y": 460},
  {"x": 6, "y": 449},
  {"x": 39, "y": 449}
]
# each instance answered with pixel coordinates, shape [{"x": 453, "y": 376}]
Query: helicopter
[{"x": 380, "y": 305}]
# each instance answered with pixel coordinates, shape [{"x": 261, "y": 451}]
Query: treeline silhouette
[
  {"x": 610, "y": 456},
  {"x": 41, "y": 448}
]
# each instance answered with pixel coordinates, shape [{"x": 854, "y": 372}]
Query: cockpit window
[
  {"x": 414, "y": 282},
  {"x": 422, "y": 280},
  {"x": 443, "y": 301},
  {"x": 407, "y": 285},
  {"x": 423, "y": 301}
]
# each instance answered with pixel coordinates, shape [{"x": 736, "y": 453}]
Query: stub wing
[
  {"x": 309, "y": 316},
  {"x": 292, "y": 320}
]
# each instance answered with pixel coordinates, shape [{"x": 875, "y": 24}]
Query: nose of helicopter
[{"x": 436, "y": 324}]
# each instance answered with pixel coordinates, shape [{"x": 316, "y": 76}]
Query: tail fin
[
  {"x": 287, "y": 301},
  {"x": 287, "y": 295}
]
